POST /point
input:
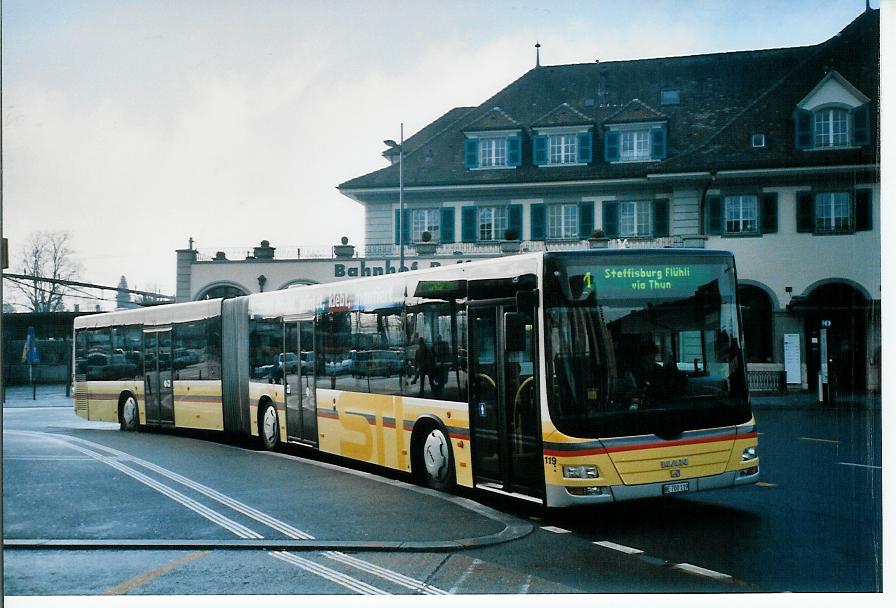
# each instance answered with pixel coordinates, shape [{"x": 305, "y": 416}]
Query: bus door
[
  {"x": 299, "y": 380},
  {"x": 505, "y": 426},
  {"x": 158, "y": 379}
]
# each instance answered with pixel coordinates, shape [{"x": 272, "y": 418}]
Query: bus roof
[{"x": 153, "y": 315}]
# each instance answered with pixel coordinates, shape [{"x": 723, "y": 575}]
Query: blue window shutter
[
  {"x": 586, "y": 219},
  {"x": 803, "y": 121},
  {"x": 471, "y": 153},
  {"x": 397, "y": 227},
  {"x": 583, "y": 147},
  {"x": 713, "y": 214},
  {"x": 469, "y": 224},
  {"x": 863, "y": 209},
  {"x": 861, "y": 125},
  {"x": 540, "y": 150},
  {"x": 661, "y": 217},
  {"x": 515, "y": 219},
  {"x": 769, "y": 212},
  {"x": 446, "y": 225},
  {"x": 514, "y": 151},
  {"x": 611, "y": 146},
  {"x": 658, "y": 143},
  {"x": 537, "y": 221},
  {"x": 805, "y": 211},
  {"x": 611, "y": 219}
]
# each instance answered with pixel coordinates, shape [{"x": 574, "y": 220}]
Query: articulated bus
[{"x": 563, "y": 378}]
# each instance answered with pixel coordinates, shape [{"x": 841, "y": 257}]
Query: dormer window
[
  {"x": 497, "y": 150},
  {"x": 553, "y": 147},
  {"x": 833, "y": 115},
  {"x": 562, "y": 149},
  {"x": 493, "y": 152},
  {"x": 758, "y": 140},
  {"x": 635, "y": 143},
  {"x": 831, "y": 128}
]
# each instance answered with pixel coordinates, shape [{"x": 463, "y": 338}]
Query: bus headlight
[
  {"x": 580, "y": 471},
  {"x": 748, "y": 454}
]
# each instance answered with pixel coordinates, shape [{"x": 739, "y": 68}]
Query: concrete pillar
[{"x": 185, "y": 260}]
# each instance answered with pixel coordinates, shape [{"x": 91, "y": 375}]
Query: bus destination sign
[{"x": 653, "y": 278}]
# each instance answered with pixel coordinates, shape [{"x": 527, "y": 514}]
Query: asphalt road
[{"x": 89, "y": 510}]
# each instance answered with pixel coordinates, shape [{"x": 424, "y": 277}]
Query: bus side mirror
[{"x": 527, "y": 300}]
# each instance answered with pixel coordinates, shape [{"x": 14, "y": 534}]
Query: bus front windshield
[{"x": 643, "y": 344}]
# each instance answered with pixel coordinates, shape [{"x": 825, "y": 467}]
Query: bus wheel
[
  {"x": 269, "y": 429},
  {"x": 438, "y": 465},
  {"x": 129, "y": 416}
]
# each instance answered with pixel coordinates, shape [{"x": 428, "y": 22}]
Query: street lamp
[{"x": 391, "y": 143}]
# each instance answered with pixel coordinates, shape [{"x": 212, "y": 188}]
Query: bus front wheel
[
  {"x": 437, "y": 462},
  {"x": 269, "y": 427}
]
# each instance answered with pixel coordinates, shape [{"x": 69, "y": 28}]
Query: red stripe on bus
[
  {"x": 646, "y": 445},
  {"x": 574, "y": 452}
]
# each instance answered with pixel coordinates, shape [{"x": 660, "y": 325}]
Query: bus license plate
[{"x": 673, "y": 488}]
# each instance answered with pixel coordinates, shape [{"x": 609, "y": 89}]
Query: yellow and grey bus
[{"x": 563, "y": 378}]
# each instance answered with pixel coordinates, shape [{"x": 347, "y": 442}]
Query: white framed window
[
  {"x": 634, "y": 218},
  {"x": 831, "y": 128},
  {"x": 563, "y": 221},
  {"x": 634, "y": 145},
  {"x": 492, "y": 223},
  {"x": 493, "y": 152},
  {"x": 424, "y": 220},
  {"x": 758, "y": 140},
  {"x": 741, "y": 214},
  {"x": 833, "y": 212},
  {"x": 562, "y": 149}
]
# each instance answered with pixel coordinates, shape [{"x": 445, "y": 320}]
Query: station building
[{"x": 771, "y": 154}]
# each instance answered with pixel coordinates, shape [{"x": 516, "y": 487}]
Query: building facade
[{"x": 771, "y": 154}]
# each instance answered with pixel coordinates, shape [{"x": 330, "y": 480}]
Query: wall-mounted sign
[
  {"x": 366, "y": 268},
  {"x": 792, "y": 358}
]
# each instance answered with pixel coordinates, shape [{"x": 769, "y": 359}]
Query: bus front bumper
[{"x": 558, "y": 496}]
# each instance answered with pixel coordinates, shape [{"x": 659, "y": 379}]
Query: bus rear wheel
[
  {"x": 437, "y": 468},
  {"x": 128, "y": 416},
  {"x": 269, "y": 427}
]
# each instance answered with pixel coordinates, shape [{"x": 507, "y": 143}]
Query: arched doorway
[
  {"x": 756, "y": 316},
  {"x": 836, "y": 319}
]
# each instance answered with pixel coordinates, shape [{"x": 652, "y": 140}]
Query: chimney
[
  {"x": 537, "y": 54},
  {"x": 264, "y": 251}
]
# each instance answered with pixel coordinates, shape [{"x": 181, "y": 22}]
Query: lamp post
[{"x": 400, "y": 146}]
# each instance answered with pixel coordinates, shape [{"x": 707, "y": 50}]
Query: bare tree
[{"x": 47, "y": 255}]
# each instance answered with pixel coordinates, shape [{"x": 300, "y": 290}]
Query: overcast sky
[{"x": 137, "y": 125}]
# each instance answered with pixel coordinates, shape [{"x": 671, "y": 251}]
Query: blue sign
[{"x": 30, "y": 355}]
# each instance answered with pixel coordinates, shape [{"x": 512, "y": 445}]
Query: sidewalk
[
  {"x": 48, "y": 395},
  {"x": 809, "y": 399}
]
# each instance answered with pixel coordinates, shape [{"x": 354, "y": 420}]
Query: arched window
[
  {"x": 756, "y": 315},
  {"x": 221, "y": 291}
]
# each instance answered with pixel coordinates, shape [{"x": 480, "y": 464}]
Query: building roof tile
[{"x": 724, "y": 98}]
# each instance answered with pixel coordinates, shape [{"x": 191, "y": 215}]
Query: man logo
[
  {"x": 676, "y": 462},
  {"x": 675, "y": 473}
]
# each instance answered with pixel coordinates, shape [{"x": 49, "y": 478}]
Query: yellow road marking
[
  {"x": 765, "y": 484},
  {"x": 142, "y": 579},
  {"x": 819, "y": 440}
]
